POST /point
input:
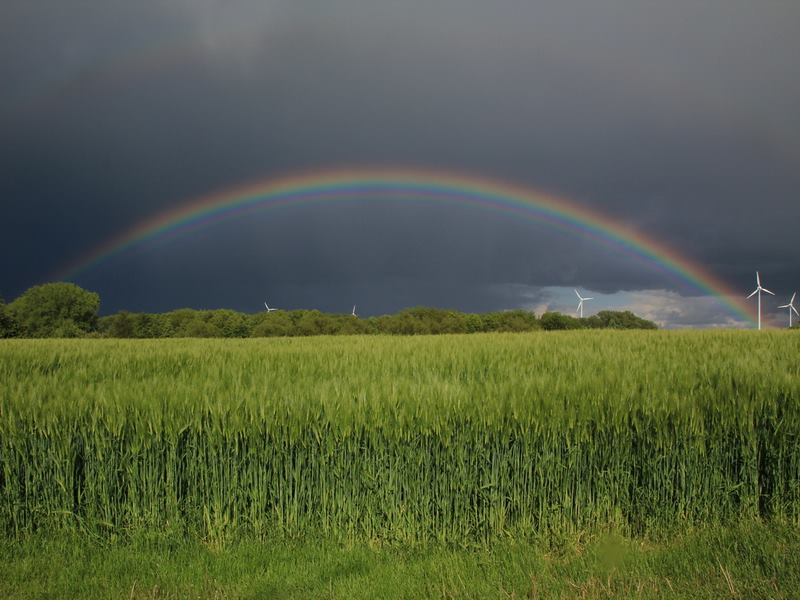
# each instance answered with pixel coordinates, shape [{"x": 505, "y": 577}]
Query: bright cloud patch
[
  {"x": 666, "y": 308},
  {"x": 672, "y": 310}
]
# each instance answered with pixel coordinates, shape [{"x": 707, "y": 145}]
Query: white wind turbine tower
[
  {"x": 581, "y": 300},
  {"x": 758, "y": 291},
  {"x": 269, "y": 310},
  {"x": 791, "y": 308}
]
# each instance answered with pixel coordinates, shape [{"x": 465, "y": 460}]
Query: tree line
[{"x": 66, "y": 310}]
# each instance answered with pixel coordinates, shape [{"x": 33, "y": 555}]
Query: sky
[{"x": 676, "y": 119}]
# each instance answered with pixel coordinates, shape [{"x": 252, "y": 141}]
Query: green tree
[
  {"x": 230, "y": 323},
  {"x": 552, "y": 321},
  {"x": 275, "y": 324},
  {"x": 313, "y": 322},
  {"x": 177, "y": 320},
  {"x": 8, "y": 326},
  {"x": 120, "y": 325},
  {"x": 517, "y": 320},
  {"x": 198, "y": 328},
  {"x": 55, "y": 310},
  {"x": 474, "y": 323},
  {"x": 150, "y": 326},
  {"x": 623, "y": 320}
]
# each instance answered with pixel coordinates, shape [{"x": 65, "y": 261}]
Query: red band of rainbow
[{"x": 375, "y": 184}]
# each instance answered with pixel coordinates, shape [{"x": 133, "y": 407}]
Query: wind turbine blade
[
  {"x": 578, "y": 295},
  {"x": 795, "y": 311},
  {"x": 785, "y": 306},
  {"x": 758, "y": 279},
  {"x": 766, "y": 290},
  {"x": 792, "y": 300},
  {"x": 753, "y": 294},
  {"x": 267, "y": 305},
  {"x": 588, "y": 298}
]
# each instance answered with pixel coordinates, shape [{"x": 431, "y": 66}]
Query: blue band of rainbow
[{"x": 414, "y": 185}]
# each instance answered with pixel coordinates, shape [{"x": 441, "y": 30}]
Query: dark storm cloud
[{"x": 678, "y": 119}]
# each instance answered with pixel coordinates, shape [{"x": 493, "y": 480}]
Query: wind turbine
[
  {"x": 354, "y": 311},
  {"x": 269, "y": 310},
  {"x": 758, "y": 291},
  {"x": 581, "y": 300},
  {"x": 791, "y": 308}
]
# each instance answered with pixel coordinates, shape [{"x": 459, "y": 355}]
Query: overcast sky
[{"x": 680, "y": 119}]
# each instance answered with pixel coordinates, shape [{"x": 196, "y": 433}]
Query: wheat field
[{"x": 457, "y": 439}]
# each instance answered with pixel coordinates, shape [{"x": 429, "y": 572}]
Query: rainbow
[{"x": 375, "y": 184}]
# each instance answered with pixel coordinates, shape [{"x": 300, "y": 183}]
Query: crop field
[{"x": 457, "y": 440}]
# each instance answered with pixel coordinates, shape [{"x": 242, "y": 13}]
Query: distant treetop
[{"x": 66, "y": 310}]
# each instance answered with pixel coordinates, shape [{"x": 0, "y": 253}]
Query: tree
[
  {"x": 198, "y": 328},
  {"x": 55, "y": 310},
  {"x": 552, "y": 321},
  {"x": 516, "y": 320},
  {"x": 8, "y": 326},
  {"x": 276, "y": 324},
  {"x": 120, "y": 325},
  {"x": 411, "y": 321},
  {"x": 312, "y": 322},
  {"x": 623, "y": 320},
  {"x": 230, "y": 323}
]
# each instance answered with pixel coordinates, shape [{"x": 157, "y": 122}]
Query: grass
[{"x": 745, "y": 561}]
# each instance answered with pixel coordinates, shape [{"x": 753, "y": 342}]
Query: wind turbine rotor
[
  {"x": 791, "y": 307},
  {"x": 581, "y": 300},
  {"x": 758, "y": 291}
]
